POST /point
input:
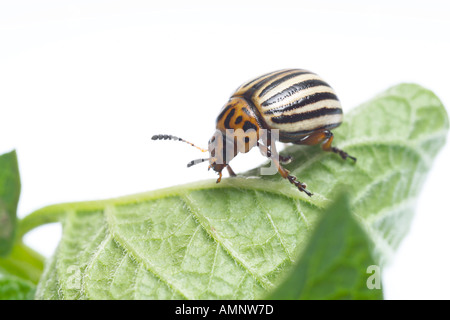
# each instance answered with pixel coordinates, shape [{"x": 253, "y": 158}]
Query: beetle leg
[
  {"x": 265, "y": 151},
  {"x": 327, "y": 147},
  {"x": 284, "y": 172},
  {"x": 220, "y": 177},
  {"x": 230, "y": 171},
  {"x": 325, "y": 138}
]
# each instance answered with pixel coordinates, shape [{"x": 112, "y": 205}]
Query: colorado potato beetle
[{"x": 295, "y": 103}]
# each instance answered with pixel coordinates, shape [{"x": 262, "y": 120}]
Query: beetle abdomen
[{"x": 295, "y": 101}]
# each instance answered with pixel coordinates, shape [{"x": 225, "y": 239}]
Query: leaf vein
[
  {"x": 204, "y": 223},
  {"x": 109, "y": 213}
]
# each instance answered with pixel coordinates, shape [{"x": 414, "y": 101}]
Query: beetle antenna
[
  {"x": 194, "y": 162},
  {"x": 169, "y": 137}
]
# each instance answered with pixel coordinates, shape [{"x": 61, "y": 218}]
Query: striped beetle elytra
[{"x": 295, "y": 103}]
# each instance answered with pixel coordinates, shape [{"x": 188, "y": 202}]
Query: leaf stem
[{"x": 40, "y": 217}]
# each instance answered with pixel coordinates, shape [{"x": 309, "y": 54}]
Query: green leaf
[
  {"x": 9, "y": 199},
  {"x": 23, "y": 263},
  {"x": 335, "y": 261},
  {"x": 237, "y": 239},
  {"x": 20, "y": 267}
]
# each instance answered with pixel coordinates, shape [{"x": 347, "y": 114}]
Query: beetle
[{"x": 296, "y": 103}]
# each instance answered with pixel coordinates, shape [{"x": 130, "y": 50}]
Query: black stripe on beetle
[
  {"x": 296, "y": 117},
  {"x": 308, "y": 100},
  {"x": 256, "y": 79},
  {"x": 259, "y": 84},
  {"x": 293, "y": 90},
  {"x": 275, "y": 83}
]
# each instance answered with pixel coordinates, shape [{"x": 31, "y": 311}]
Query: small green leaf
[
  {"x": 335, "y": 261},
  {"x": 20, "y": 267},
  {"x": 237, "y": 239},
  {"x": 9, "y": 199}
]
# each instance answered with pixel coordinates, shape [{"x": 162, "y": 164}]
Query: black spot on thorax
[
  {"x": 228, "y": 118},
  {"x": 248, "y": 125}
]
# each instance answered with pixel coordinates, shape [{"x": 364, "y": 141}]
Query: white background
[{"x": 85, "y": 84}]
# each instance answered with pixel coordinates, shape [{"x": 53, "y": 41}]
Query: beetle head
[{"x": 221, "y": 151}]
